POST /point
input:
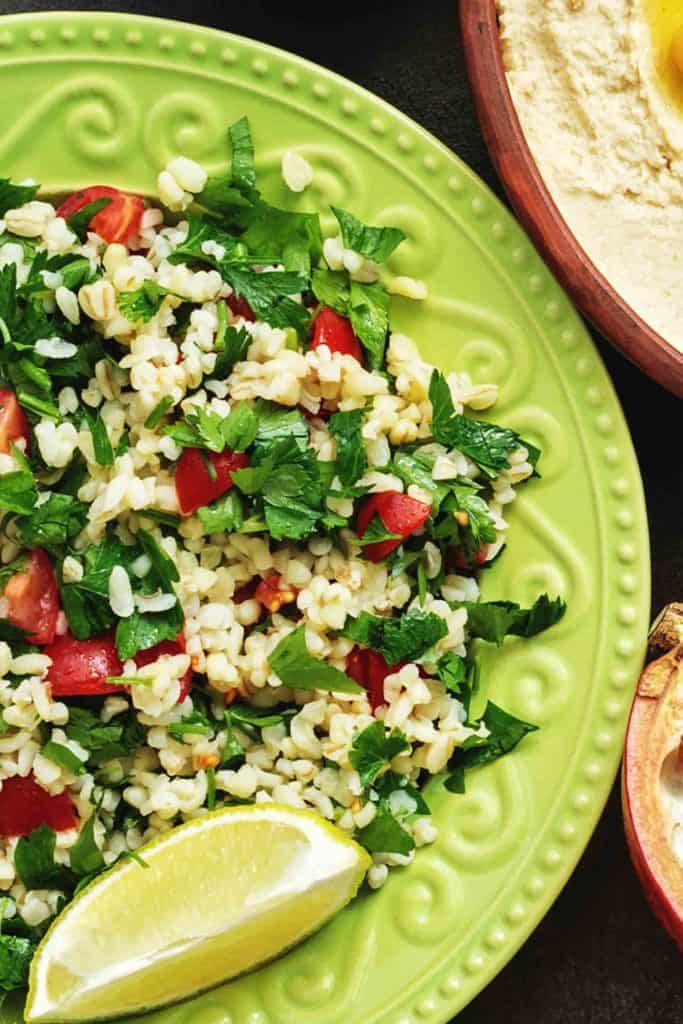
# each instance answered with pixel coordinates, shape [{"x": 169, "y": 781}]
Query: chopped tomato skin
[
  {"x": 33, "y": 599},
  {"x": 25, "y": 806},
  {"x": 463, "y": 562},
  {"x": 273, "y": 593},
  {"x": 246, "y": 592},
  {"x": 80, "y": 667},
  {"x": 119, "y": 221},
  {"x": 335, "y": 331},
  {"x": 13, "y": 422},
  {"x": 400, "y": 514},
  {"x": 193, "y": 483},
  {"x": 240, "y": 307},
  {"x": 176, "y": 646},
  {"x": 369, "y": 669}
]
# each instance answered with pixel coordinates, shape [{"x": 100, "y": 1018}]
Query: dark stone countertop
[{"x": 598, "y": 957}]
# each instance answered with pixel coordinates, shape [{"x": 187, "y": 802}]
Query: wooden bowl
[{"x": 532, "y": 202}]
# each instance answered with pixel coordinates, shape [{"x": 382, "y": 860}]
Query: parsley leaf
[
  {"x": 225, "y": 515},
  {"x": 288, "y": 481},
  {"x": 232, "y": 348},
  {"x": 141, "y": 305},
  {"x": 268, "y": 295},
  {"x": 35, "y": 863},
  {"x": 376, "y": 532},
  {"x": 373, "y": 749},
  {"x": 143, "y": 630},
  {"x": 297, "y": 668},
  {"x": 460, "y": 676},
  {"x": 16, "y": 953},
  {"x": 494, "y": 620},
  {"x": 331, "y": 288},
  {"x": 158, "y": 412},
  {"x": 103, "y": 740},
  {"x": 195, "y": 723},
  {"x": 505, "y": 732},
  {"x": 404, "y": 637},
  {"x": 384, "y": 834},
  {"x": 352, "y": 461},
  {"x": 240, "y": 427},
  {"x": 64, "y": 757},
  {"x": 13, "y": 196},
  {"x": 233, "y": 752},
  {"x": 283, "y": 236},
  {"x": 276, "y": 423},
  {"x": 202, "y": 429},
  {"x": 85, "y": 856},
  {"x": 199, "y": 429},
  {"x": 243, "y": 167},
  {"x": 79, "y": 222},
  {"x": 18, "y": 491},
  {"x": 485, "y": 443},
  {"x": 53, "y": 522},
  {"x": 415, "y": 467},
  {"x": 369, "y": 313},
  {"x": 375, "y": 244},
  {"x": 104, "y": 453},
  {"x": 86, "y": 603},
  {"x": 246, "y": 715}
]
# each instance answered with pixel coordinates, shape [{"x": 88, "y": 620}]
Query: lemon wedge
[{"x": 221, "y": 894}]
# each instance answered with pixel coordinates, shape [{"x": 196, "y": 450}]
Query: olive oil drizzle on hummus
[{"x": 666, "y": 20}]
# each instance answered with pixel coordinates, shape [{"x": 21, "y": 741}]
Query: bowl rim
[{"x": 533, "y": 204}]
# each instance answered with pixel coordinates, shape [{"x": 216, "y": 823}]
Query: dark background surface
[{"x": 598, "y": 957}]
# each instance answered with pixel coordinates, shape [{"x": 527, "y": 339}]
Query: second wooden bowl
[{"x": 591, "y": 291}]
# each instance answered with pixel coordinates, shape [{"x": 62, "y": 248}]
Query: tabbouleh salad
[{"x": 242, "y": 528}]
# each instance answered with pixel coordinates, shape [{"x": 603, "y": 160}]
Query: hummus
[{"x": 601, "y": 108}]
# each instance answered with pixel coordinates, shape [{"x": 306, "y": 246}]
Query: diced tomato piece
[
  {"x": 273, "y": 593},
  {"x": 463, "y": 562},
  {"x": 80, "y": 667},
  {"x": 240, "y": 307},
  {"x": 369, "y": 669},
  {"x": 13, "y": 421},
  {"x": 400, "y": 514},
  {"x": 335, "y": 331},
  {"x": 33, "y": 599},
  {"x": 25, "y": 806},
  {"x": 118, "y": 221},
  {"x": 246, "y": 592},
  {"x": 193, "y": 483},
  {"x": 176, "y": 646}
]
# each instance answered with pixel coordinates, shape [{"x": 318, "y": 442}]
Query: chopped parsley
[
  {"x": 295, "y": 667},
  {"x": 406, "y": 637}
]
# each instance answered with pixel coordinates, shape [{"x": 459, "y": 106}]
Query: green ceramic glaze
[{"x": 102, "y": 98}]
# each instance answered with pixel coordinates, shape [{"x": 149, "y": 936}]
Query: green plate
[{"x": 90, "y": 98}]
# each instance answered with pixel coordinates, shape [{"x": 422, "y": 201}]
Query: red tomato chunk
[
  {"x": 80, "y": 667},
  {"x": 369, "y": 669},
  {"x": 119, "y": 221},
  {"x": 13, "y": 422},
  {"x": 193, "y": 481},
  {"x": 400, "y": 514},
  {"x": 25, "y": 806},
  {"x": 33, "y": 599},
  {"x": 335, "y": 331}
]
